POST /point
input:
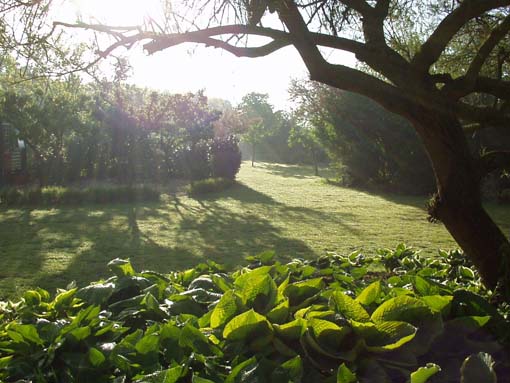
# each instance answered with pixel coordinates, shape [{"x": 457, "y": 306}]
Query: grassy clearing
[{"x": 276, "y": 207}]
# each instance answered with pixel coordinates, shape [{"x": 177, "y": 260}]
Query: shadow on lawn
[{"x": 288, "y": 171}]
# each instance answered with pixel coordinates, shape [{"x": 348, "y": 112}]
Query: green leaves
[
  {"x": 293, "y": 322},
  {"x": 478, "y": 368},
  {"x": 247, "y": 325}
]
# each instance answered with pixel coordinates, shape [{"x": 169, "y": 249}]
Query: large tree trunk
[{"x": 458, "y": 202}]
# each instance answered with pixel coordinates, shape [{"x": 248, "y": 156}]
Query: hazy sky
[{"x": 190, "y": 67}]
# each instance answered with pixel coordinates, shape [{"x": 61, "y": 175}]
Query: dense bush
[
  {"x": 225, "y": 157},
  {"x": 392, "y": 317},
  {"x": 209, "y": 185},
  {"x": 58, "y": 195}
]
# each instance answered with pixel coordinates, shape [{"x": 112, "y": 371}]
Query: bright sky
[{"x": 191, "y": 68}]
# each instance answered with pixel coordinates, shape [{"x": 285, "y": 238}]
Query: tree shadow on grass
[{"x": 288, "y": 171}]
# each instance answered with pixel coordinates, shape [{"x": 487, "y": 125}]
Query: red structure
[{"x": 13, "y": 159}]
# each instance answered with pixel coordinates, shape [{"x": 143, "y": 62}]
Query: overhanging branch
[{"x": 432, "y": 49}]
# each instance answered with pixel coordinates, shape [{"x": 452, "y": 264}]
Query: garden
[{"x": 155, "y": 232}]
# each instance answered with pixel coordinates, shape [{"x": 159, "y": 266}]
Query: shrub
[
  {"x": 340, "y": 318},
  {"x": 209, "y": 185},
  {"x": 225, "y": 157},
  {"x": 197, "y": 160},
  {"x": 58, "y": 195}
]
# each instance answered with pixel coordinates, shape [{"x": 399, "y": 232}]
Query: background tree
[
  {"x": 259, "y": 119},
  {"x": 370, "y": 146},
  {"x": 406, "y": 77}
]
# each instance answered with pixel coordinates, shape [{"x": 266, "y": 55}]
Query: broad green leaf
[
  {"x": 440, "y": 303},
  {"x": 423, "y": 374},
  {"x": 280, "y": 313},
  {"x": 467, "y": 325},
  {"x": 384, "y": 336},
  {"x": 327, "y": 334},
  {"x": 149, "y": 343},
  {"x": 401, "y": 308},
  {"x": 81, "y": 333},
  {"x": 198, "y": 379},
  {"x": 370, "y": 294},
  {"x": 246, "y": 325},
  {"x": 294, "y": 368},
  {"x": 478, "y": 368},
  {"x": 266, "y": 257},
  {"x": 224, "y": 310},
  {"x": 344, "y": 375},
  {"x": 121, "y": 267},
  {"x": 172, "y": 375},
  {"x": 424, "y": 287},
  {"x": 291, "y": 330},
  {"x": 96, "y": 357},
  {"x": 257, "y": 289},
  {"x": 5, "y": 361},
  {"x": 466, "y": 272},
  {"x": 349, "y": 307},
  {"x": 96, "y": 294},
  {"x": 244, "y": 372},
  {"x": 300, "y": 291},
  {"x": 32, "y": 298},
  {"x": 193, "y": 338},
  {"x": 27, "y": 332},
  {"x": 64, "y": 299}
]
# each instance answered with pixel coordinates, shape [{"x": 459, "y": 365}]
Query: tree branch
[
  {"x": 485, "y": 50},
  {"x": 432, "y": 49}
]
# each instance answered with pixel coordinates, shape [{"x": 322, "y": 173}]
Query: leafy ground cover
[
  {"x": 393, "y": 316},
  {"x": 284, "y": 208}
]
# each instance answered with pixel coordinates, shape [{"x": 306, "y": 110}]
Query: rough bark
[{"x": 458, "y": 202}]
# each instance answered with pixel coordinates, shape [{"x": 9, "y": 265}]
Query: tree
[
  {"x": 408, "y": 76},
  {"x": 374, "y": 148},
  {"x": 259, "y": 119}
]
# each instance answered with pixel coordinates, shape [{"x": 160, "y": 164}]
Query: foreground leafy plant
[{"x": 337, "y": 319}]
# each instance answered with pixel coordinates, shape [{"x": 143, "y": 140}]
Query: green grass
[{"x": 278, "y": 207}]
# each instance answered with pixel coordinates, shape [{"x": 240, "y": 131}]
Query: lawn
[{"x": 278, "y": 207}]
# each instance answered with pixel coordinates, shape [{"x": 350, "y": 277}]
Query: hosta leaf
[
  {"x": 467, "y": 325},
  {"x": 193, "y": 338},
  {"x": 440, "y": 303},
  {"x": 198, "y": 379},
  {"x": 349, "y": 307},
  {"x": 96, "y": 294},
  {"x": 244, "y": 372},
  {"x": 466, "y": 272},
  {"x": 32, "y": 298},
  {"x": 81, "y": 333},
  {"x": 224, "y": 310},
  {"x": 96, "y": 357},
  {"x": 246, "y": 325},
  {"x": 327, "y": 334},
  {"x": 121, "y": 267},
  {"x": 423, "y": 374},
  {"x": 344, "y": 375},
  {"x": 384, "y": 336},
  {"x": 370, "y": 294},
  {"x": 401, "y": 308},
  {"x": 280, "y": 313},
  {"x": 257, "y": 289},
  {"x": 172, "y": 375},
  {"x": 478, "y": 368},
  {"x": 290, "y": 371},
  {"x": 149, "y": 343},
  {"x": 26, "y": 332},
  {"x": 291, "y": 330},
  {"x": 300, "y": 291}
]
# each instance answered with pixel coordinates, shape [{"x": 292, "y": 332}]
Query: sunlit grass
[{"x": 278, "y": 207}]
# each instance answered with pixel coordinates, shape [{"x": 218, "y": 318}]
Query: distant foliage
[
  {"x": 389, "y": 317},
  {"x": 373, "y": 147},
  {"x": 60, "y": 195},
  {"x": 225, "y": 157},
  {"x": 209, "y": 185}
]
